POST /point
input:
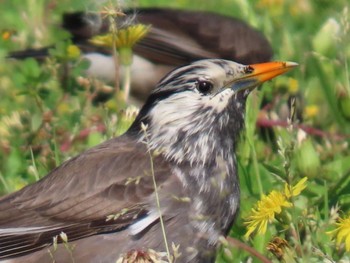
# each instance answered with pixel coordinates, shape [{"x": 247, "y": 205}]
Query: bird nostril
[{"x": 248, "y": 70}]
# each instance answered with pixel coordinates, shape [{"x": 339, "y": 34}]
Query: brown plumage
[
  {"x": 193, "y": 120},
  {"x": 77, "y": 197}
]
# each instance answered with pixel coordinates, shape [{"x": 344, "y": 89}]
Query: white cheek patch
[
  {"x": 219, "y": 101},
  {"x": 189, "y": 113},
  {"x": 175, "y": 108}
]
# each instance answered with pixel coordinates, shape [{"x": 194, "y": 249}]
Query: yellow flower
[
  {"x": 64, "y": 108},
  {"x": 342, "y": 232},
  {"x": 290, "y": 191},
  {"x": 73, "y": 51},
  {"x": 270, "y": 205},
  {"x": 6, "y": 34},
  {"x": 129, "y": 36},
  {"x": 311, "y": 111},
  {"x": 293, "y": 86},
  {"x": 265, "y": 212},
  {"x": 124, "y": 38}
]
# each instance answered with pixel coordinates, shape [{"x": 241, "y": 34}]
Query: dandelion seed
[
  {"x": 342, "y": 232},
  {"x": 110, "y": 11}
]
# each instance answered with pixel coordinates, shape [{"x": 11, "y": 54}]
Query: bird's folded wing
[
  {"x": 165, "y": 47},
  {"x": 178, "y": 37},
  {"x": 113, "y": 179}
]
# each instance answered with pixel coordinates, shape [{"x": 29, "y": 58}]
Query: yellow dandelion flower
[
  {"x": 311, "y": 111},
  {"x": 295, "y": 190},
  {"x": 129, "y": 36},
  {"x": 124, "y": 38},
  {"x": 265, "y": 212},
  {"x": 342, "y": 232},
  {"x": 73, "y": 52},
  {"x": 102, "y": 40},
  {"x": 270, "y": 205}
]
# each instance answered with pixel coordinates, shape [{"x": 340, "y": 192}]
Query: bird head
[{"x": 197, "y": 111}]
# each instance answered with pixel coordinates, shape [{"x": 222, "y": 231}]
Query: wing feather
[
  {"x": 178, "y": 37},
  {"x": 77, "y": 197}
]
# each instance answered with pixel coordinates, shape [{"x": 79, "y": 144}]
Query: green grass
[{"x": 46, "y": 117}]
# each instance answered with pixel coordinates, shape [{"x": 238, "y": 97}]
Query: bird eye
[{"x": 204, "y": 86}]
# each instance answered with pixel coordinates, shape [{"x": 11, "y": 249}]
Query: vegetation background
[{"x": 47, "y": 116}]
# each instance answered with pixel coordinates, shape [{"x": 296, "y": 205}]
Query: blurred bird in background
[{"x": 176, "y": 37}]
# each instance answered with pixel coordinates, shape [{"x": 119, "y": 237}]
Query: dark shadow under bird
[
  {"x": 176, "y": 37},
  {"x": 184, "y": 137}
]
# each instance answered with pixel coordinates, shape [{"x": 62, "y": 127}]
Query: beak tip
[{"x": 290, "y": 64}]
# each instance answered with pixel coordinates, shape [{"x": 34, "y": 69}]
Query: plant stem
[
  {"x": 127, "y": 80},
  {"x": 144, "y": 127}
]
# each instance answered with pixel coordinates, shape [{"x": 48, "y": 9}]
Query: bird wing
[
  {"x": 178, "y": 37},
  {"x": 76, "y": 198}
]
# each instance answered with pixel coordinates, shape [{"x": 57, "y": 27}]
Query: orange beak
[
  {"x": 259, "y": 73},
  {"x": 266, "y": 71}
]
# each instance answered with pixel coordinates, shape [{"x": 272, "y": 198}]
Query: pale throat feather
[{"x": 189, "y": 127}]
